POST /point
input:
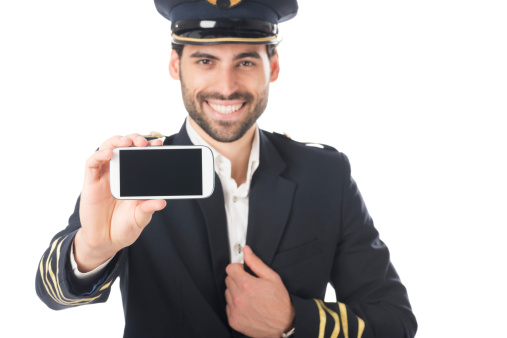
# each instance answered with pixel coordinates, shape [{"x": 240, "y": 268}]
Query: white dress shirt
[{"x": 235, "y": 198}]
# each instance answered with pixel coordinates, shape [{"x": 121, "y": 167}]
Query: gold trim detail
[
  {"x": 322, "y": 314},
  {"x": 343, "y": 315},
  {"x": 360, "y": 327},
  {"x": 154, "y": 134},
  {"x": 233, "y": 2},
  {"x": 336, "y": 330},
  {"x": 52, "y": 284},
  {"x": 105, "y": 286},
  {"x": 230, "y": 39}
]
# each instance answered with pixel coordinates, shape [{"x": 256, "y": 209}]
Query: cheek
[
  {"x": 254, "y": 82},
  {"x": 194, "y": 79},
  {"x": 202, "y": 82}
]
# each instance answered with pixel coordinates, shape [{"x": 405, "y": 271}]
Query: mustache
[{"x": 244, "y": 96}]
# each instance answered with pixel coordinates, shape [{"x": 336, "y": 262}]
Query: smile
[{"x": 226, "y": 109}]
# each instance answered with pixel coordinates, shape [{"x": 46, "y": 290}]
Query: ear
[
  {"x": 174, "y": 65},
  {"x": 275, "y": 67}
]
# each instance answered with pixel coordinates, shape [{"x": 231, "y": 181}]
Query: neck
[{"x": 238, "y": 152}]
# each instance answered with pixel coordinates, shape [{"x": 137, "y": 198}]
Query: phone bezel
[{"x": 208, "y": 172}]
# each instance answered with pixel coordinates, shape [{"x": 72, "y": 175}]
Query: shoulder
[
  {"x": 284, "y": 138},
  {"x": 285, "y": 144},
  {"x": 308, "y": 154}
]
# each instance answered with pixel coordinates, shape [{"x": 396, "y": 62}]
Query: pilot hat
[{"x": 210, "y": 22}]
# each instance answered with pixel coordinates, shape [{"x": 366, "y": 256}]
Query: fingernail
[{"x": 124, "y": 138}]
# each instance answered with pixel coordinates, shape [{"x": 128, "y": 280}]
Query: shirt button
[
  {"x": 234, "y": 199},
  {"x": 238, "y": 248}
]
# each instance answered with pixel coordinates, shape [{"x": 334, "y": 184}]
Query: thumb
[
  {"x": 145, "y": 209},
  {"x": 257, "y": 265}
]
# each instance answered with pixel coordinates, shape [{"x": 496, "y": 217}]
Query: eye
[
  {"x": 246, "y": 64},
  {"x": 205, "y": 62}
]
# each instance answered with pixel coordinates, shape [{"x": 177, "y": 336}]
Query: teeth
[{"x": 223, "y": 109}]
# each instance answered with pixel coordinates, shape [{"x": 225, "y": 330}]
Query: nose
[{"x": 227, "y": 82}]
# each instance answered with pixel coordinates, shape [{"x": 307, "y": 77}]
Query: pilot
[{"x": 254, "y": 259}]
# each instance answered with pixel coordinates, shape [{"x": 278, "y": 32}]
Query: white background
[{"x": 414, "y": 92}]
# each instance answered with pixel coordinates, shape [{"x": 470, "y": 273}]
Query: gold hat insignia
[{"x": 224, "y": 4}]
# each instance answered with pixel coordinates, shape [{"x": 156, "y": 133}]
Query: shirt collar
[{"x": 253, "y": 161}]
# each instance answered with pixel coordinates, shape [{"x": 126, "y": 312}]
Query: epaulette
[
  {"x": 308, "y": 144},
  {"x": 153, "y": 135}
]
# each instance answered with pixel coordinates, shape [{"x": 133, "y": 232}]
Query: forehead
[{"x": 225, "y": 51}]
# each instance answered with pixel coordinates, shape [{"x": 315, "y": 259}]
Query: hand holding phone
[
  {"x": 168, "y": 172},
  {"x": 107, "y": 224}
]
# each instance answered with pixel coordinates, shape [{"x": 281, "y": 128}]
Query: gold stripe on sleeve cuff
[
  {"x": 336, "y": 329},
  {"x": 322, "y": 314},
  {"x": 52, "y": 284},
  {"x": 105, "y": 286},
  {"x": 343, "y": 315},
  {"x": 360, "y": 327}
]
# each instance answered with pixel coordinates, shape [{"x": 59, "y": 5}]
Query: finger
[
  {"x": 257, "y": 265},
  {"x": 97, "y": 165},
  {"x": 235, "y": 270},
  {"x": 228, "y": 310},
  {"x": 231, "y": 284},
  {"x": 157, "y": 142},
  {"x": 138, "y": 140},
  {"x": 150, "y": 206},
  {"x": 98, "y": 158},
  {"x": 228, "y": 297},
  {"x": 145, "y": 209},
  {"x": 115, "y": 142}
]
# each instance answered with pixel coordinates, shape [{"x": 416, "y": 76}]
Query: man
[{"x": 291, "y": 213}]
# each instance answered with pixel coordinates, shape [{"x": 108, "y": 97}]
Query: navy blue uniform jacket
[{"x": 307, "y": 221}]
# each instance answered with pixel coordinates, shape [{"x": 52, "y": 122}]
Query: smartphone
[{"x": 162, "y": 172}]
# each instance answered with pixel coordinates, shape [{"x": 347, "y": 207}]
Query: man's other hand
[
  {"x": 257, "y": 307},
  {"x": 107, "y": 224}
]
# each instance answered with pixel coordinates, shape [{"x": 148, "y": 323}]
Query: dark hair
[{"x": 270, "y": 49}]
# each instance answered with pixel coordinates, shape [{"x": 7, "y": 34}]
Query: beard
[{"x": 224, "y": 131}]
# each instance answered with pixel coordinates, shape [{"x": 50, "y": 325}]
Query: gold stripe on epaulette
[
  {"x": 336, "y": 330},
  {"x": 322, "y": 315},
  {"x": 316, "y": 145},
  {"x": 228, "y": 39},
  {"x": 154, "y": 134},
  {"x": 360, "y": 327},
  {"x": 345, "y": 322}
]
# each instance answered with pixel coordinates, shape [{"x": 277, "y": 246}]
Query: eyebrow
[
  {"x": 253, "y": 55},
  {"x": 199, "y": 55}
]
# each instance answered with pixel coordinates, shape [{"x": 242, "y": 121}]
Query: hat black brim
[{"x": 222, "y": 31}]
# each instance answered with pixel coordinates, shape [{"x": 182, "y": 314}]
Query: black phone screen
[{"x": 160, "y": 172}]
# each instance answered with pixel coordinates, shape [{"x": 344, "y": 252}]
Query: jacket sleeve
[
  {"x": 55, "y": 282},
  {"x": 372, "y": 301}
]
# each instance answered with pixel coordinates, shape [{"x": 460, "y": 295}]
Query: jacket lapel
[
  {"x": 213, "y": 209},
  {"x": 270, "y": 202}
]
